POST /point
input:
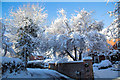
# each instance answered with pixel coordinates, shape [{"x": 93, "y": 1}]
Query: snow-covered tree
[
  {"x": 89, "y": 28},
  {"x": 26, "y": 25},
  {"x": 57, "y": 33},
  {"x": 98, "y": 41},
  {"x": 72, "y": 36},
  {"x": 112, "y": 31},
  {"x": 6, "y": 44}
]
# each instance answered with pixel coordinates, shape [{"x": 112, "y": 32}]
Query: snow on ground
[
  {"x": 45, "y": 73},
  {"x": 109, "y": 72},
  {"x": 105, "y": 73},
  {"x": 22, "y": 74},
  {"x": 36, "y": 73}
]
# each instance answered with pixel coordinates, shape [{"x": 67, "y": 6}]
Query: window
[{"x": 118, "y": 44}]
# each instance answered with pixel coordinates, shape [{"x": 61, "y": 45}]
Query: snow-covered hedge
[
  {"x": 35, "y": 64},
  {"x": 44, "y": 63},
  {"x": 11, "y": 65},
  {"x": 104, "y": 64},
  {"x": 6, "y": 60}
]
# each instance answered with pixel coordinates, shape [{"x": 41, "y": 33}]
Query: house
[
  {"x": 97, "y": 57},
  {"x": 114, "y": 52},
  {"x": 115, "y": 44},
  {"x": 36, "y": 57}
]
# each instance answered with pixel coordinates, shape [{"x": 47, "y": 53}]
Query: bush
[
  {"x": 103, "y": 64},
  {"x": 12, "y": 65}
]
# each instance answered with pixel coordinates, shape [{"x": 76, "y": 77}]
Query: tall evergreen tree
[{"x": 25, "y": 25}]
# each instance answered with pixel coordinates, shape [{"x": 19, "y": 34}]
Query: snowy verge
[
  {"x": 103, "y": 64},
  {"x": 105, "y": 69},
  {"x": 105, "y": 73}
]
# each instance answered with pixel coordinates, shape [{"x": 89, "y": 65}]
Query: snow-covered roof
[{"x": 87, "y": 58}]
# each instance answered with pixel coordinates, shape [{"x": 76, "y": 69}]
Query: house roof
[{"x": 113, "y": 41}]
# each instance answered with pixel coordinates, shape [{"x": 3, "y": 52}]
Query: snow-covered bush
[
  {"x": 45, "y": 63},
  {"x": 103, "y": 64},
  {"x": 11, "y": 65},
  {"x": 114, "y": 56}
]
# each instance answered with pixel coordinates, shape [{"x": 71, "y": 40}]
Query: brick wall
[{"x": 75, "y": 70}]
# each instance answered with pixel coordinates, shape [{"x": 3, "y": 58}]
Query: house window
[
  {"x": 96, "y": 59},
  {"x": 118, "y": 43}
]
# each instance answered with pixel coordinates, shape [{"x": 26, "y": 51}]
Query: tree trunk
[
  {"x": 5, "y": 50},
  {"x": 25, "y": 58},
  {"x": 54, "y": 53},
  {"x": 70, "y": 55},
  {"x": 75, "y": 49},
  {"x": 80, "y": 55}
]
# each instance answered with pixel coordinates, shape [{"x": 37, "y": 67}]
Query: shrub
[{"x": 12, "y": 65}]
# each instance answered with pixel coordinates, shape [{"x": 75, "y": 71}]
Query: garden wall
[{"x": 75, "y": 70}]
